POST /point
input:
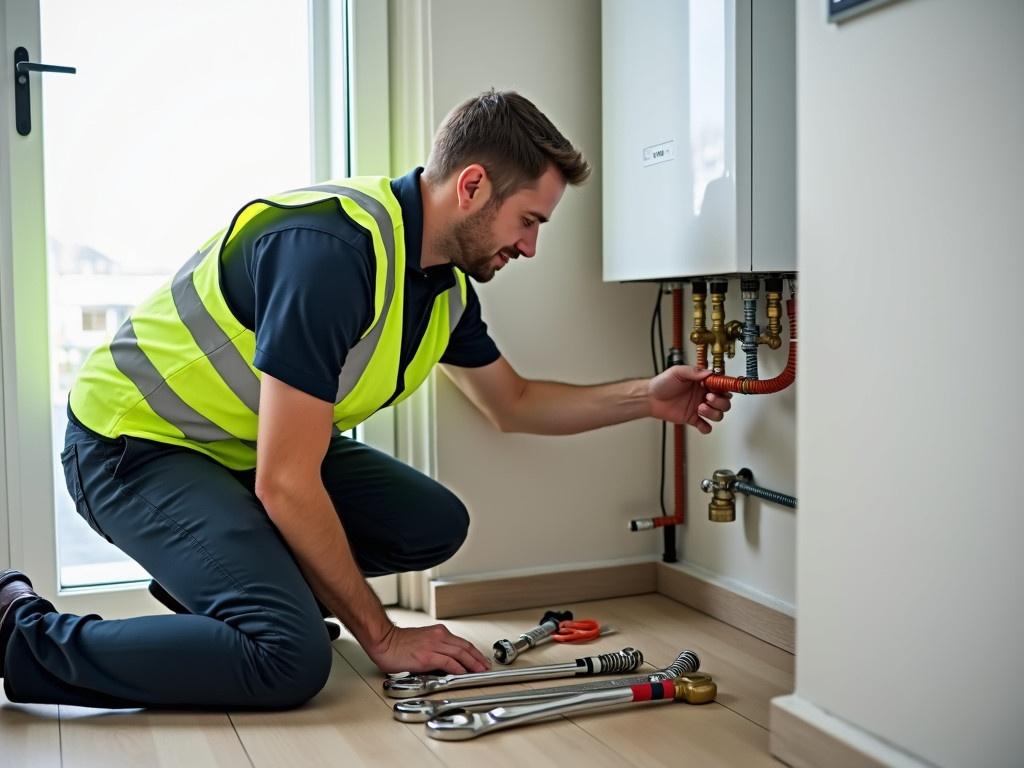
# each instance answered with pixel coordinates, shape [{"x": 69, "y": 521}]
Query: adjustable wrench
[
  {"x": 404, "y": 685},
  {"x": 695, "y": 688},
  {"x": 421, "y": 710}
]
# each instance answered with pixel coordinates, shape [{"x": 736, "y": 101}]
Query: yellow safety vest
[{"x": 179, "y": 370}]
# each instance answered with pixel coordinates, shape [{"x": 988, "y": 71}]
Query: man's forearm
[
  {"x": 553, "y": 408},
  {"x": 309, "y": 523}
]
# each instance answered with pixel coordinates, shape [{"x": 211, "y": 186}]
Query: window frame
[{"x": 27, "y": 458}]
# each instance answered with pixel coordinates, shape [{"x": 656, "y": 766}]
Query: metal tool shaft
[
  {"x": 404, "y": 685},
  {"x": 506, "y": 651},
  {"x": 421, "y": 710},
  {"x": 696, "y": 689}
]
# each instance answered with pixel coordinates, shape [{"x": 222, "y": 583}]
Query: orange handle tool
[{"x": 576, "y": 631}]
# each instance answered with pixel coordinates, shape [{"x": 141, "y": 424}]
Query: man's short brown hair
[{"x": 506, "y": 134}]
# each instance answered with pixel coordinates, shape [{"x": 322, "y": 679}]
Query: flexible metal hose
[
  {"x": 750, "y": 334},
  {"x": 750, "y": 489}
]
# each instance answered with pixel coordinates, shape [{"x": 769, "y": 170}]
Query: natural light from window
[{"x": 179, "y": 114}]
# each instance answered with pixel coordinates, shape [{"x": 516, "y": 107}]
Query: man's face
[{"x": 488, "y": 238}]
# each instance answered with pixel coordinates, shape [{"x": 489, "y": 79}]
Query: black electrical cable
[{"x": 656, "y": 324}]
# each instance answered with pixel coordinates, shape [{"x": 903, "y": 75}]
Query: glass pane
[{"x": 179, "y": 114}]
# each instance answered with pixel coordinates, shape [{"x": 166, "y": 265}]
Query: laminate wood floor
[{"x": 350, "y": 722}]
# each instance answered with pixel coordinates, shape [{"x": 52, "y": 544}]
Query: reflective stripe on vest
[{"x": 174, "y": 378}]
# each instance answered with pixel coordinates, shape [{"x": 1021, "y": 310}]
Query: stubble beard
[{"x": 468, "y": 244}]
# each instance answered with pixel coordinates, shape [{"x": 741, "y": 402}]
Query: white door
[{"x": 176, "y": 115}]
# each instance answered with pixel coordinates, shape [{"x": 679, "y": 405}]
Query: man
[{"x": 205, "y": 439}]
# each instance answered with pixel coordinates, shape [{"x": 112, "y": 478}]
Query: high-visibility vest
[{"x": 180, "y": 369}]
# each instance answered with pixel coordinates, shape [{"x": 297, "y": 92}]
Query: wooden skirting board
[
  {"x": 462, "y": 598},
  {"x": 803, "y": 736},
  {"x": 762, "y": 622},
  {"x": 553, "y": 589}
]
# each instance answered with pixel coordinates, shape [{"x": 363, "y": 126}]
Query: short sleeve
[
  {"x": 470, "y": 346},
  {"x": 314, "y": 299}
]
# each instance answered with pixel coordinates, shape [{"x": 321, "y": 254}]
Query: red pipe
[
  {"x": 747, "y": 386},
  {"x": 679, "y": 441}
]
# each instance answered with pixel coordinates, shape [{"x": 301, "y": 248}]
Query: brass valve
[
  {"x": 722, "y": 508},
  {"x": 723, "y": 335},
  {"x": 700, "y": 333},
  {"x": 773, "y": 338}
]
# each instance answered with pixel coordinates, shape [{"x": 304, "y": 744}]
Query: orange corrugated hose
[{"x": 762, "y": 386}]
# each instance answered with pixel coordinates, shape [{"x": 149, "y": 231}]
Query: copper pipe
[
  {"x": 679, "y": 447},
  {"x": 764, "y": 386}
]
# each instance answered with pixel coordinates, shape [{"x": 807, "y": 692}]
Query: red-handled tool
[
  {"x": 577, "y": 631},
  {"x": 554, "y": 625}
]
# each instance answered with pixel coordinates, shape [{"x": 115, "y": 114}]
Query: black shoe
[
  {"x": 15, "y": 588},
  {"x": 167, "y": 600}
]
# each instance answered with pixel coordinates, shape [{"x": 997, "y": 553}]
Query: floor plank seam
[
  {"x": 241, "y": 743},
  {"x": 60, "y": 735},
  {"x": 726, "y": 706}
]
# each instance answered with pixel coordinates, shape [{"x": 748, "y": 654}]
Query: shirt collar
[{"x": 407, "y": 190}]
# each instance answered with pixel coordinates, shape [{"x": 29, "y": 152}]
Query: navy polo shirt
[{"x": 302, "y": 280}]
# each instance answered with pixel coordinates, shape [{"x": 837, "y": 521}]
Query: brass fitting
[
  {"x": 700, "y": 333},
  {"x": 695, "y": 688},
  {"x": 722, "y": 508},
  {"x": 773, "y": 338},
  {"x": 723, "y": 334}
]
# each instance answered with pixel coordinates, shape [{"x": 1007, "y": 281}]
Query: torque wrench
[
  {"x": 695, "y": 688},
  {"x": 421, "y": 710},
  {"x": 404, "y": 685}
]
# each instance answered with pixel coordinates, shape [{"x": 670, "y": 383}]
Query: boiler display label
[{"x": 660, "y": 153}]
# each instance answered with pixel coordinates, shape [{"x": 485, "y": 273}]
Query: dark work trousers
[{"x": 256, "y": 637}]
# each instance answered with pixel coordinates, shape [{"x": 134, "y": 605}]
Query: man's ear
[{"x": 473, "y": 187}]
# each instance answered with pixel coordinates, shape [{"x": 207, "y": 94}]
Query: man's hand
[
  {"x": 678, "y": 395},
  {"x": 425, "y": 649}
]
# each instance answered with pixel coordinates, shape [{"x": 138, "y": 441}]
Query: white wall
[
  {"x": 910, "y": 126},
  {"x": 542, "y": 501}
]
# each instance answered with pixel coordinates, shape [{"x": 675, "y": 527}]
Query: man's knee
[
  {"x": 432, "y": 535},
  {"x": 449, "y": 528},
  {"x": 294, "y": 669}
]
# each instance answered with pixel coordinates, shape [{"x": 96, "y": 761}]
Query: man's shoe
[
  {"x": 166, "y": 599},
  {"x": 15, "y": 588}
]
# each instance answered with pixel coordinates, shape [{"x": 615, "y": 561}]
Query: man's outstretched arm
[
  {"x": 515, "y": 404},
  {"x": 294, "y": 432}
]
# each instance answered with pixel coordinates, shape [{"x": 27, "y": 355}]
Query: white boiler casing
[{"x": 699, "y": 136}]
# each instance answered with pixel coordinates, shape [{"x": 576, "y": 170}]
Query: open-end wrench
[
  {"x": 695, "y": 688},
  {"x": 421, "y": 710},
  {"x": 405, "y": 685}
]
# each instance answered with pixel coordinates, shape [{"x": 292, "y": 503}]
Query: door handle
[{"x": 22, "y": 92}]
